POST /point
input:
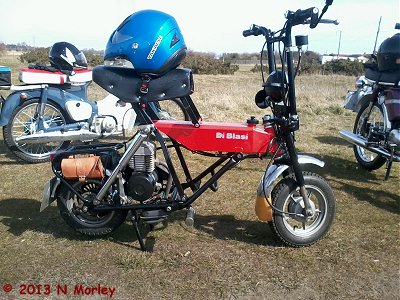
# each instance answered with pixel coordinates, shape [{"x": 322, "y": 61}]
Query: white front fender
[{"x": 275, "y": 171}]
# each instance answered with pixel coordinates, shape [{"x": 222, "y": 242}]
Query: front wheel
[
  {"x": 23, "y": 121},
  {"x": 80, "y": 215},
  {"x": 290, "y": 223},
  {"x": 366, "y": 120}
]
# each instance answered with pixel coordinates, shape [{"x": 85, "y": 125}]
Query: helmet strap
[{"x": 144, "y": 86}]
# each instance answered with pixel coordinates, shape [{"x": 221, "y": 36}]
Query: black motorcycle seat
[
  {"x": 126, "y": 84},
  {"x": 384, "y": 78}
]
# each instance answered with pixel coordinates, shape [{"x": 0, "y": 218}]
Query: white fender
[
  {"x": 262, "y": 208},
  {"x": 276, "y": 170}
]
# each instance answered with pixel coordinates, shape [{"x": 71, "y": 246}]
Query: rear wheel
[
  {"x": 173, "y": 110},
  {"x": 23, "y": 122},
  {"x": 364, "y": 122},
  {"x": 80, "y": 215},
  {"x": 290, "y": 223}
]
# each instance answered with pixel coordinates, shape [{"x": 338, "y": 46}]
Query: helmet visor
[
  {"x": 80, "y": 60},
  {"x": 119, "y": 37}
]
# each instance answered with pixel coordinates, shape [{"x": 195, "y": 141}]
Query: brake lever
[
  {"x": 324, "y": 21},
  {"x": 314, "y": 19}
]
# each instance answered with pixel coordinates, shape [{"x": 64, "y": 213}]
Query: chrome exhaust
[
  {"x": 58, "y": 136},
  {"x": 362, "y": 142}
]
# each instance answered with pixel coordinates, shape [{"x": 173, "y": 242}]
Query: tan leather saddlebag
[{"x": 82, "y": 168}]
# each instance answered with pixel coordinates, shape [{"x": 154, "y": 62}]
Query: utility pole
[{"x": 338, "y": 49}]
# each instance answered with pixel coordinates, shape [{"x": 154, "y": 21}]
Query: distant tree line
[
  {"x": 210, "y": 63},
  {"x": 311, "y": 64},
  {"x": 40, "y": 55},
  {"x": 207, "y": 63},
  {"x": 200, "y": 63},
  {"x": 20, "y": 47}
]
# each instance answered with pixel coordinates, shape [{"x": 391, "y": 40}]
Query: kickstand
[
  {"x": 135, "y": 222},
  {"x": 389, "y": 164},
  {"x": 388, "y": 169}
]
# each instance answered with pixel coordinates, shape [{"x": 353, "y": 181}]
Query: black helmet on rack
[
  {"x": 388, "y": 55},
  {"x": 65, "y": 57}
]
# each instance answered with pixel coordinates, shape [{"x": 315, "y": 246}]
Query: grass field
[{"x": 228, "y": 254}]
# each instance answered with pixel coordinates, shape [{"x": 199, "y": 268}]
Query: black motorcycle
[{"x": 376, "y": 134}]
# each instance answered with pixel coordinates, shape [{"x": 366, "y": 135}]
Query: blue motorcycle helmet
[{"x": 150, "y": 40}]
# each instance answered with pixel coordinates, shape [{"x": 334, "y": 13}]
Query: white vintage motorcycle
[{"x": 51, "y": 108}]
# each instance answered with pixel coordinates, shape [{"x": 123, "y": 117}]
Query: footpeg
[
  {"x": 189, "y": 221},
  {"x": 153, "y": 216}
]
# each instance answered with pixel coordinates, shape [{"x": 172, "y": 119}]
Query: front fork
[
  {"x": 289, "y": 139},
  {"x": 40, "y": 110}
]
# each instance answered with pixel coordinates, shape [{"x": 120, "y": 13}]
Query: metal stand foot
[
  {"x": 135, "y": 223},
  {"x": 389, "y": 163}
]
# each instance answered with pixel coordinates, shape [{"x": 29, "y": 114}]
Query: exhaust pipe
[
  {"x": 57, "y": 136},
  {"x": 362, "y": 142}
]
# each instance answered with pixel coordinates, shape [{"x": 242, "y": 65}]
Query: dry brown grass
[{"x": 228, "y": 254}]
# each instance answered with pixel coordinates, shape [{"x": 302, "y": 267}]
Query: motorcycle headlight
[{"x": 275, "y": 86}]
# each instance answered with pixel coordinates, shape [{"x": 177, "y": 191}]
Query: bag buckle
[{"x": 144, "y": 86}]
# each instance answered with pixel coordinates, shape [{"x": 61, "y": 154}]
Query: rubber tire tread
[
  {"x": 9, "y": 141},
  {"x": 279, "y": 194},
  {"x": 117, "y": 220},
  {"x": 379, "y": 161}
]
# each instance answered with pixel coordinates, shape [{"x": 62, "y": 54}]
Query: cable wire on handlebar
[
  {"x": 261, "y": 61},
  {"x": 298, "y": 63}
]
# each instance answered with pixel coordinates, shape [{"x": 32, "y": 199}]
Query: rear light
[{"x": 23, "y": 96}]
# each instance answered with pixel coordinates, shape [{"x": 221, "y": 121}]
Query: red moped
[{"x": 134, "y": 177}]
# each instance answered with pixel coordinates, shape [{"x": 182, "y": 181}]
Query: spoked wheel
[
  {"x": 80, "y": 215},
  {"x": 23, "y": 122},
  {"x": 172, "y": 110},
  {"x": 367, "y": 159},
  {"x": 290, "y": 223}
]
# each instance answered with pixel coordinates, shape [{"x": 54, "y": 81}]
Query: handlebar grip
[
  {"x": 303, "y": 14},
  {"x": 248, "y": 32}
]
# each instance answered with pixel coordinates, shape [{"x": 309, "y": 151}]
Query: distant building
[{"x": 353, "y": 57}]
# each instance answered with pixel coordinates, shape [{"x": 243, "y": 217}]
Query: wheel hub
[
  {"x": 298, "y": 211},
  {"x": 30, "y": 127}
]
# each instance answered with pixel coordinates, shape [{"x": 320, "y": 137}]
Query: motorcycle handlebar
[
  {"x": 301, "y": 16},
  {"x": 256, "y": 30},
  {"x": 248, "y": 32}
]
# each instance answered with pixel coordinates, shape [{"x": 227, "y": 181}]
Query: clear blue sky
[{"x": 208, "y": 25}]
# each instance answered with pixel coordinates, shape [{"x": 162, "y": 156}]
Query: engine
[
  {"x": 141, "y": 184},
  {"x": 104, "y": 124}
]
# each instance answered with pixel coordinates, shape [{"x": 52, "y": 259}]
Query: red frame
[{"x": 220, "y": 137}]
